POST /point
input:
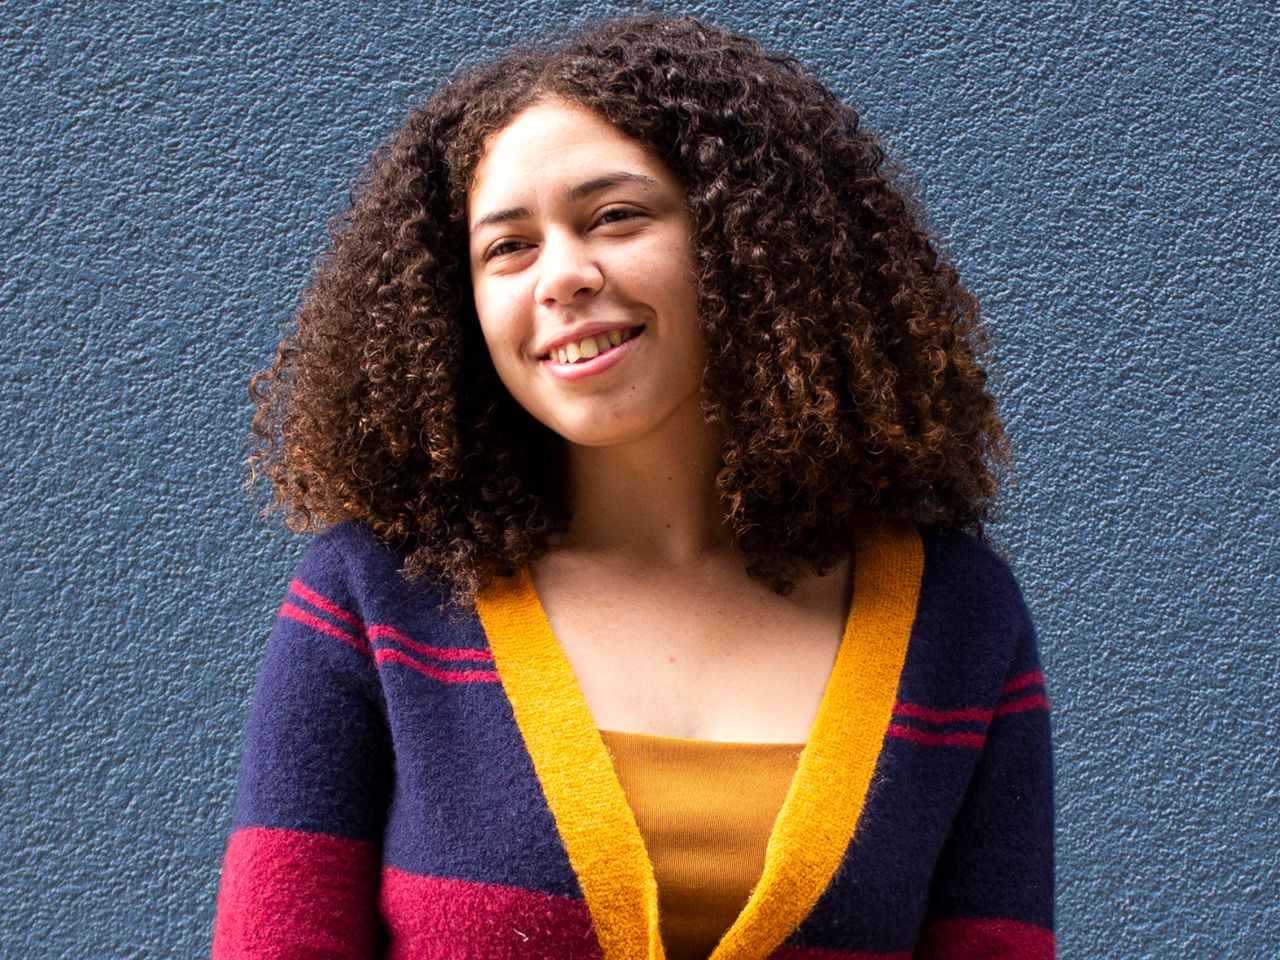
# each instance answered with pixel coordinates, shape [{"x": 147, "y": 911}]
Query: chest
[{"x": 700, "y": 657}]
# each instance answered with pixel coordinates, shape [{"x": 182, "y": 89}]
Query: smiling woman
[
  {"x": 588, "y": 255},
  {"x": 650, "y": 615}
]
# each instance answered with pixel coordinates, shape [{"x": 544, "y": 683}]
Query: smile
[{"x": 588, "y": 348}]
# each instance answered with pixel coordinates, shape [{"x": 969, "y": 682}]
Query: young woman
[{"x": 651, "y": 616}]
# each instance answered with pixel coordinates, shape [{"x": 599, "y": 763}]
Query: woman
[{"x": 646, "y": 426}]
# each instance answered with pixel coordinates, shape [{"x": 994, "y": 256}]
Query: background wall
[{"x": 1105, "y": 176}]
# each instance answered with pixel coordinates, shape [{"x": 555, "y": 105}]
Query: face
[{"x": 583, "y": 276}]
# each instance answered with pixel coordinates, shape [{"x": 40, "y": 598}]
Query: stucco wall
[{"x": 1104, "y": 175}]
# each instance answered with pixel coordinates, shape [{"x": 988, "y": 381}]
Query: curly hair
[{"x": 843, "y": 364}]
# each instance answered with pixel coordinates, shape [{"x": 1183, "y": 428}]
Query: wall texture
[{"x": 1106, "y": 177}]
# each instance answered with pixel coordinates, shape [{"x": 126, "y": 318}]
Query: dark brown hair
[{"x": 843, "y": 364}]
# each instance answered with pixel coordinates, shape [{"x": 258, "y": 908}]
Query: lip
[
  {"x": 589, "y": 330},
  {"x": 570, "y": 372}
]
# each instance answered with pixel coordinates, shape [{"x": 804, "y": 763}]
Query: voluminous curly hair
[{"x": 843, "y": 354}]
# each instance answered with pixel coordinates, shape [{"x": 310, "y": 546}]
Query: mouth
[{"x": 588, "y": 348}]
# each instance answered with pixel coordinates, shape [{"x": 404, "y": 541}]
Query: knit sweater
[{"x": 420, "y": 785}]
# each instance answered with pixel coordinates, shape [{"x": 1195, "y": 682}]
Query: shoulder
[
  {"x": 970, "y": 603},
  {"x": 350, "y": 553},
  {"x": 348, "y": 606},
  {"x": 347, "y": 543},
  {"x": 366, "y": 575},
  {"x": 966, "y": 568},
  {"x": 331, "y": 563}
]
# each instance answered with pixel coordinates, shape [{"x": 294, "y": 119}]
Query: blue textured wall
[{"x": 1106, "y": 179}]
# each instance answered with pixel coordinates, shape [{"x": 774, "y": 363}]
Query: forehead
[{"x": 553, "y": 144}]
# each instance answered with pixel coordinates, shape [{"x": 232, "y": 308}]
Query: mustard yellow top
[{"x": 705, "y": 810}]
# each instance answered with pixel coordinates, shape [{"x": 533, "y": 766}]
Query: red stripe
[
  {"x": 324, "y": 626},
  {"x": 1026, "y": 680},
  {"x": 983, "y": 939},
  {"x": 388, "y": 655},
  {"x": 382, "y": 631},
  {"x": 433, "y": 918},
  {"x": 969, "y": 714},
  {"x": 321, "y": 603},
  {"x": 286, "y": 893},
  {"x": 937, "y": 739},
  {"x": 1035, "y": 702}
]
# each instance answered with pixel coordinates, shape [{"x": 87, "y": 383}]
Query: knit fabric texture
[
  {"x": 706, "y": 810},
  {"x": 422, "y": 785}
]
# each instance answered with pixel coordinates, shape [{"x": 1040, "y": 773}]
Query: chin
[
  {"x": 594, "y": 433},
  {"x": 597, "y": 439}
]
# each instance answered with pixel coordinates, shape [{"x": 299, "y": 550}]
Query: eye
[
  {"x": 616, "y": 214},
  {"x": 502, "y": 248}
]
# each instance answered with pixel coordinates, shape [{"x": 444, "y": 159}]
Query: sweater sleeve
[
  {"x": 992, "y": 892},
  {"x": 301, "y": 870}
]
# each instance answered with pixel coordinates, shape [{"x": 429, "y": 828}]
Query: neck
[{"x": 653, "y": 499}]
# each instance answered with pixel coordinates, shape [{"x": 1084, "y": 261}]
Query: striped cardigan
[{"x": 424, "y": 786}]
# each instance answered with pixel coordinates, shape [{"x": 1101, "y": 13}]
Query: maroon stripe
[
  {"x": 324, "y": 626},
  {"x": 974, "y": 740},
  {"x": 285, "y": 893},
  {"x": 389, "y": 655},
  {"x": 434, "y": 918},
  {"x": 321, "y": 603},
  {"x": 1035, "y": 702},
  {"x": 382, "y": 631},
  {"x": 930, "y": 715},
  {"x": 1025, "y": 680},
  {"x": 983, "y": 939}
]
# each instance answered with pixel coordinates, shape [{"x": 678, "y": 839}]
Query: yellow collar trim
[
  {"x": 818, "y": 817},
  {"x": 816, "y": 824},
  {"x": 599, "y": 831}
]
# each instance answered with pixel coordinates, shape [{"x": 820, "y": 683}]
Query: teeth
[{"x": 588, "y": 347}]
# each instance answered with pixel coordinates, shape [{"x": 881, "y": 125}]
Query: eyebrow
[{"x": 580, "y": 192}]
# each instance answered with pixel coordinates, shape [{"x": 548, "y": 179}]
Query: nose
[{"x": 568, "y": 271}]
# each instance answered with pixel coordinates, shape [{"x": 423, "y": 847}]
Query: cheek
[{"x": 498, "y": 325}]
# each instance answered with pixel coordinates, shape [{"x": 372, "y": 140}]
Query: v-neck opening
[{"x": 817, "y": 820}]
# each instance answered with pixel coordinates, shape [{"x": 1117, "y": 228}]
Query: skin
[
  {"x": 555, "y": 264},
  {"x": 646, "y": 594}
]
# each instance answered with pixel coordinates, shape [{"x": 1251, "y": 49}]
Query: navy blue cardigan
[{"x": 416, "y": 785}]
